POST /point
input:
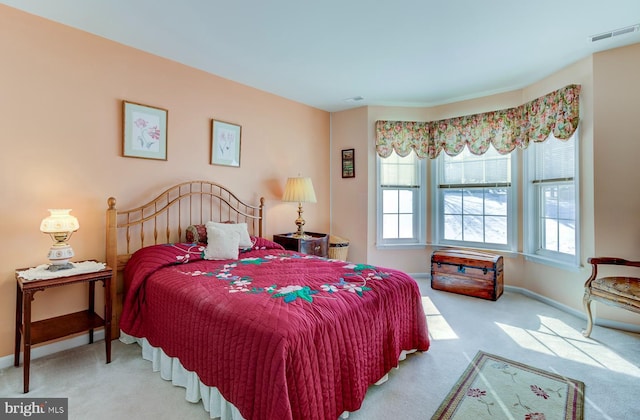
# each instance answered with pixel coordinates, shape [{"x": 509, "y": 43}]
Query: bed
[{"x": 251, "y": 330}]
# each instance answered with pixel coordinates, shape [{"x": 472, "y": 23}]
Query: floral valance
[{"x": 557, "y": 112}]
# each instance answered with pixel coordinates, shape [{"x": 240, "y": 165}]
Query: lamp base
[
  {"x": 58, "y": 267},
  {"x": 59, "y": 255},
  {"x": 300, "y": 222}
]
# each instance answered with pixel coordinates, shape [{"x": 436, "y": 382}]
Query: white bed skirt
[{"x": 172, "y": 370}]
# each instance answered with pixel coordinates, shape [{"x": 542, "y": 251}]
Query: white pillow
[
  {"x": 241, "y": 228},
  {"x": 221, "y": 244}
]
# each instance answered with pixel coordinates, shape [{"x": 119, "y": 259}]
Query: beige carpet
[
  {"x": 515, "y": 327},
  {"x": 495, "y": 388}
]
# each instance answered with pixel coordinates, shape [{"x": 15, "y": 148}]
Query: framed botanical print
[
  {"x": 225, "y": 143},
  {"x": 144, "y": 131},
  {"x": 348, "y": 163}
]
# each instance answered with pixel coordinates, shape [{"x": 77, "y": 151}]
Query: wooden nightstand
[
  {"x": 313, "y": 244},
  {"x": 60, "y": 326}
]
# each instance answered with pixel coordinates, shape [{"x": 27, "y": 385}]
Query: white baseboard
[
  {"x": 526, "y": 292},
  {"x": 47, "y": 349},
  {"x": 624, "y": 326}
]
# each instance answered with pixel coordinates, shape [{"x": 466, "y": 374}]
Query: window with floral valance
[{"x": 557, "y": 112}]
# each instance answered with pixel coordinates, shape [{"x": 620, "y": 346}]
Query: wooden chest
[{"x": 472, "y": 273}]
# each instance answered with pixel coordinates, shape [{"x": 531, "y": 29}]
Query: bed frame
[{"x": 163, "y": 220}]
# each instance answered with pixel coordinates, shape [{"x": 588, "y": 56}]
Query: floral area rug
[{"x": 493, "y": 387}]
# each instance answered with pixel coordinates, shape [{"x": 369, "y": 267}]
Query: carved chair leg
[{"x": 586, "y": 302}]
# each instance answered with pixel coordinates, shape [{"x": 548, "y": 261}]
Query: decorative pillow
[
  {"x": 196, "y": 233},
  {"x": 262, "y": 243},
  {"x": 222, "y": 244},
  {"x": 241, "y": 228}
]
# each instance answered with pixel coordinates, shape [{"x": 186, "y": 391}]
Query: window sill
[
  {"x": 563, "y": 265},
  {"x": 401, "y": 246}
]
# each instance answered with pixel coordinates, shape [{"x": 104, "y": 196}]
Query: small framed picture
[
  {"x": 225, "y": 143},
  {"x": 348, "y": 163},
  {"x": 144, "y": 131}
]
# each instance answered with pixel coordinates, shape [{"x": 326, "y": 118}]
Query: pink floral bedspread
[{"x": 281, "y": 335}]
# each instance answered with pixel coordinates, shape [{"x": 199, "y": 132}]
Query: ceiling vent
[
  {"x": 354, "y": 99},
  {"x": 616, "y": 32}
]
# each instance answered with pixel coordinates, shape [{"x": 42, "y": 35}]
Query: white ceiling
[{"x": 393, "y": 53}]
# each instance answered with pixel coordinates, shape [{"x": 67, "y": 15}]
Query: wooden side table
[
  {"x": 313, "y": 243},
  {"x": 60, "y": 326}
]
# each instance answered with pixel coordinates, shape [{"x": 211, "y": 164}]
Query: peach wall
[
  {"x": 349, "y": 198},
  {"x": 62, "y": 92},
  {"x": 616, "y": 151}
]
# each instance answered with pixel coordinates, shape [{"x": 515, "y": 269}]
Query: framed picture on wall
[
  {"x": 225, "y": 143},
  {"x": 348, "y": 163},
  {"x": 144, "y": 131}
]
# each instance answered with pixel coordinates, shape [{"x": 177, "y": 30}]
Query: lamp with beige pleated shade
[{"x": 300, "y": 190}]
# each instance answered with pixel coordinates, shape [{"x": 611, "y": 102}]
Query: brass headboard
[{"x": 164, "y": 220}]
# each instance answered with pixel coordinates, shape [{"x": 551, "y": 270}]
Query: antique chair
[{"x": 621, "y": 291}]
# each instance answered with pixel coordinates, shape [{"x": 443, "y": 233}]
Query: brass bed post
[
  {"x": 112, "y": 261},
  {"x": 260, "y": 215}
]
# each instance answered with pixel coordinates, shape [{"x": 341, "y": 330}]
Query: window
[
  {"x": 474, "y": 200},
  {"x": 551, "y": 216},
  {"x": 401, "y": 200}
]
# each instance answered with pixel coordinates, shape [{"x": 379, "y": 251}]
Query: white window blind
[{"x": 554, "y": 160}]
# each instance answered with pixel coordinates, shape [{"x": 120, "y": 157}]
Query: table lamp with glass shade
[
  {"x": 60, "y": 225},
  {"x": 300, "y": 190}
]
